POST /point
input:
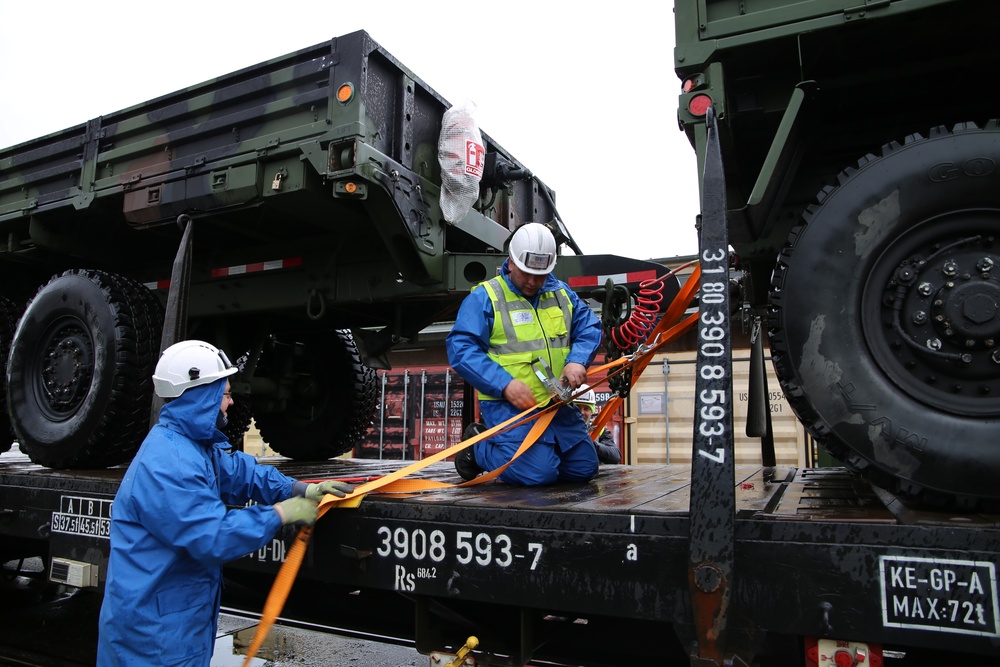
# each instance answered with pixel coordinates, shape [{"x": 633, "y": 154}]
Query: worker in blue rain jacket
[
  {"x": 503, "y": 325},
  {"x": 172, "y": 520}
]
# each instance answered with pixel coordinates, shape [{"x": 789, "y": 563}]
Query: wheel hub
[
  {"x": 67, "y": 369},
  {"x": 940, "y": 318},
  {"x": 967, "y": 314}
]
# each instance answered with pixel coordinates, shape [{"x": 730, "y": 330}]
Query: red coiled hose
[{"x": 649, "y": 303}]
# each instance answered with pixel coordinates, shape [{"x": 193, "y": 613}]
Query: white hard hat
[
  {"x": 587, "y": 397},
  {"x": 188, "y": 364},
  {"x": 533, "y": 249}
]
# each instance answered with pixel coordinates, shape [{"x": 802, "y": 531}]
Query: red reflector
[
  {"x": 688, "y": 85},
  {"x": 843, "y": 659},
  {"x": 698, "y": 105}
]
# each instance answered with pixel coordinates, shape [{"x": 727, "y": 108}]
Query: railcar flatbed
[{"x": 588, "y": 573}]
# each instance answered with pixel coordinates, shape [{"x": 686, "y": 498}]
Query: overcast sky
[{"x": 584, "y": 95}]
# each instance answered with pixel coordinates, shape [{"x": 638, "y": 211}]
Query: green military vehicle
[
  {"x": 289, "y": 212},
  {"x": 861, "y": 152}
]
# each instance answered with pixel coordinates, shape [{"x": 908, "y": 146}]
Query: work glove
[
  {"x": 297, "y": 510},
  {"x": 316, "y": 492}
]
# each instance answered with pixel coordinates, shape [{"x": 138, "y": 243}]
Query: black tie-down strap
[
  {"x": 175, "y": 317},
  {"x": 713, "y": 496}
]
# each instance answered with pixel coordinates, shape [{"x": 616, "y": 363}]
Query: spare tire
[
  {"x": 80, "y": 370},
  {"x": 333, "y": 397}
]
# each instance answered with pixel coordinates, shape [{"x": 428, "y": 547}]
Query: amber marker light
[
  {"x": 350, "y": 187},
  {"x": 345, "y": 93}
]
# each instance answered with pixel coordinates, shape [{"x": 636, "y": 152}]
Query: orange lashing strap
[
  {"x": 666, "y": 334},
  {"x": 396, "y": 482}
]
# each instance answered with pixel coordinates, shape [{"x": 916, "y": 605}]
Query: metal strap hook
[{"x": 315, "y": 297}]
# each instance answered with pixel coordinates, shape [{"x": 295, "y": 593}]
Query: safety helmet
[
  {"x": 188, "y": 364},
  {"x": 533, "y": 249},
  {"x": 587, "y": 397}
]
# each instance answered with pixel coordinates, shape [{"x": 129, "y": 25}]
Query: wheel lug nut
[
  {"x": 919, "y": 317},
  {"x": 924, "y": 289},
  {"x": 950, "y": 268}
]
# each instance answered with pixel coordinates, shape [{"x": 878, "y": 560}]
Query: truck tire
[
  {"x": 333, "y": 401},
  {"x": 8, "y": 322},
  {"x": 80, "y": 371},
  {"x": 884, "y": 324}
]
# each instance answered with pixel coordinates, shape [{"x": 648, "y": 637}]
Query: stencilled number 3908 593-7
[{"x": 479, "y": 548}]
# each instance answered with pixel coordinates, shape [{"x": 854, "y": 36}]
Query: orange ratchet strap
[
  {"x": 666, "y": 334},
  {"x": 394, "y": 482},
  {"x": 398, "y": 482}
]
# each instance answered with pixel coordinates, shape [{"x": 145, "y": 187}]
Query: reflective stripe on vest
[{"x": 521, "y": 333}]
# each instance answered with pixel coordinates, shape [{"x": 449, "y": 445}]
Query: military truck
[
  {"x": 289, "y": 212},
  {"x": 861, "y": 153}
]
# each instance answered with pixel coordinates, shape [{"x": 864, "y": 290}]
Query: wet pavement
[{"x": 287, "y": 646}]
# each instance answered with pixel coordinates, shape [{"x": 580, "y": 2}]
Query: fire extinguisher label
[{"x": 474, "y": 156}]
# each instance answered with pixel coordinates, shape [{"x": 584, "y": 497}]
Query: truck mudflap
[{"x": 9, "y": 314}]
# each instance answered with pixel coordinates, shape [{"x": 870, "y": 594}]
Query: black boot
[
  {"x": 465, "y": 464},
  {"x": 465, "y": 460}
]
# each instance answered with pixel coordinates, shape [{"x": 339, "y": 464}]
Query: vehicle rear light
[{"x": 698, "y": 105}]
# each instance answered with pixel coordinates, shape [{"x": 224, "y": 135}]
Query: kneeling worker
[{"x": 505, "y": 324}]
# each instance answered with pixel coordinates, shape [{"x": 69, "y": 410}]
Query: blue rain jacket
[
  {"x": 171, "y": 531},
  {"x": 565, "y": 451}
]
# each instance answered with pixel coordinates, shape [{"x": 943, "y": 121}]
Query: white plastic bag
[{"x": 461, "y": 155}]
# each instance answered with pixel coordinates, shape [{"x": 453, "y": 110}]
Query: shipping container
[
  {"x": 419, "y": 414},
  {"x": 661, "y": 409}
]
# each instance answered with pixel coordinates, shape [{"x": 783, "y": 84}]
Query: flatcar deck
[{"x": 549, "y": 571}]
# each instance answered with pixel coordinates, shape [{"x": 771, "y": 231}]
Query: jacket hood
[{"x": 194, "y": 412}]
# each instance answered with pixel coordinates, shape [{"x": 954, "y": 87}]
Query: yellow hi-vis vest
[{"x": 521, "y": 333}]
